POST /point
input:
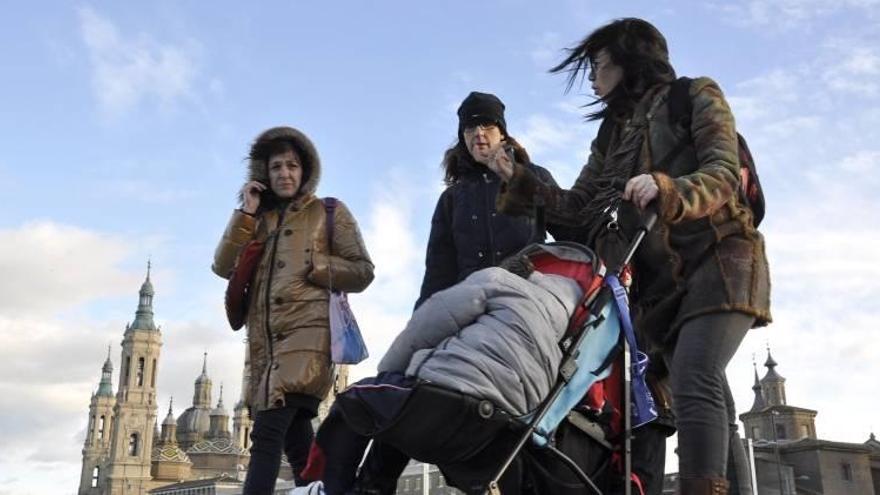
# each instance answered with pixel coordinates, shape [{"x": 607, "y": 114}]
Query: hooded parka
[{"x": 287, "y": 321}]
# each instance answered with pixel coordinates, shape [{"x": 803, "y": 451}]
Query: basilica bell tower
[
  {"x": 131, "y": 443},
  {"x": 96, "y": 447}
]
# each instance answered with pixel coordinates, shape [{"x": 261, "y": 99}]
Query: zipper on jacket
[
  {"x": 489, "y": 205},
  {"x": 268, "y": 301}
]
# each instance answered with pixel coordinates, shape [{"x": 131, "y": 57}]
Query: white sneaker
[{"x": 313, "y": 488}]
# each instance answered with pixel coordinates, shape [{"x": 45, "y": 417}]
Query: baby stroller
[
  {"x": 481, "y": 448},
  {"x": 587, "y": 395}
]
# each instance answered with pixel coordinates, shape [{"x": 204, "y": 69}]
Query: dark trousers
[
  {"x": 702, "y": 402},
  {"x": 287, "y": 429},
  {"x": 405, "y": 420},
  {"x": 344, "y": 450}
]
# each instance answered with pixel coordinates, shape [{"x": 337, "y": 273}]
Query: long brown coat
[
  {"x": 704, "y": 256},
  {"x": 287, "y": 322}
]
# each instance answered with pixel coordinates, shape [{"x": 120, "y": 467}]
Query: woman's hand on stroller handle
[{"x": 641, "y": 190}]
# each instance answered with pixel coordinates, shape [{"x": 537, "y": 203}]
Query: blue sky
[{"x": 123, "y": 131}]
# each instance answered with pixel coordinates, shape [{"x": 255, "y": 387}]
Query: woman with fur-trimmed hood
[
  {"x": 287, "y": 319},
  {"x": 467, "y": 232}
]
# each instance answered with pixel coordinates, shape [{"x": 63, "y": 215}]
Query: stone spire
[
  {"x": 169, "y": 426},
  {"x": 170, "y": 416},
  {"x": 220, "y": 400},
  {"x": 143, "y": 319},
  {"x": 773, "y": 384},
  {"x": 202, "y": 394},
  {"x": 242, "y": 424},
  {"x": 759, "y": 403},
  {"x": 105, "y": 388},
  {"x": 245, "y": 378},
  {"x": 219, "y": 420}
]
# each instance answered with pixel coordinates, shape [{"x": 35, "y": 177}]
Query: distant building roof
[{"x": 227, "y": 481}]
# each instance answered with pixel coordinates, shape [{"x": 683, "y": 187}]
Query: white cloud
[
  {"x": 544, "y": 134},
  {"x": 130, "y": 70},
  {"x": 780, "y": 83},
  {"x": 862, "y": 60},
  {"x": 786, "y": 14},
  {"x": 51, "y": 352},
  {"x": 49, "y": 267},
  {"x": 863, "y": 162},
  {"x": 853, "y": 66},
  {"x": 546, "y": 51},
  {"x": 383, "y": 310},
  {"x": 572, "y": 106},
  {"x": 785, "y": 128},
  {"x": 140, "y": 190}
]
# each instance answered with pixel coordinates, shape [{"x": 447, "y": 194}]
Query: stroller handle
[{"x": 648, "y": 221}]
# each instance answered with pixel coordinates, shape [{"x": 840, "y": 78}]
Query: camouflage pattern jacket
[{"x": 704, "y": 255}]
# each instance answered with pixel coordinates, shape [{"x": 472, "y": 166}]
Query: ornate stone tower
[
  {"x": 169, "y": 462},
  {"x": 770, "y": 417},
  {"x": 134, "y": 414},
  {"x": 217, "y": 454},
  {"x": 194, "y": 423},
  {"x": 773, "y": 384},
  {"x": 96, "y": 448},
  {"x": 219, "y": 420}
]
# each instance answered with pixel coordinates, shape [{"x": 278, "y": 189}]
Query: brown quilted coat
[
  {"x": 704, "y": 256},
  {"x": 287, "y": 322}
]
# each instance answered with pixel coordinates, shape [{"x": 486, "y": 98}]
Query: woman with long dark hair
[
  {"x": 467, "y": 231},
  {"x": 700, "y": 279}
]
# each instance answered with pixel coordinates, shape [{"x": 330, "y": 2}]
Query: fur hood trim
[{"x": 258, "y": 170}]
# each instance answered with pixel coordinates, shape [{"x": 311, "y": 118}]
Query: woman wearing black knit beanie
[{"x": 467, "y": 232}]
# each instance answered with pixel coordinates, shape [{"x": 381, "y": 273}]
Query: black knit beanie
[{"x": 481, "y": 108}]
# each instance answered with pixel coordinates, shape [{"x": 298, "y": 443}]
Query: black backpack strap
[
  {"x": 680, "y": 109},
  {"x": 679, "y": 100},
  {"x": 603, "y": 138}
]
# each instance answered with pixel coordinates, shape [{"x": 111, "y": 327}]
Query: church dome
[{"x": 194, "y": 420}]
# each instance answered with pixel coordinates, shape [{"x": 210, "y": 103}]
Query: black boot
[{"x": 703, "y": 486}]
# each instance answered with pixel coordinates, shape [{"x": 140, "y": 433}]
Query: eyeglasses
[{"x": 485, "y": 127}]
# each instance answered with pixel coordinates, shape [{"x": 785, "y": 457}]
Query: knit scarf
[{"x": 622, "y": 161}]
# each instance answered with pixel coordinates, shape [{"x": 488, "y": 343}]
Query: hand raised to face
[
  {"x": 499, "y": 161},
  {"x": 250, "y": 192}
]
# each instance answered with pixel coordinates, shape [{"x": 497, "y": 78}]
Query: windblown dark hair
[
  {"x": 633, "y": 44},
  {"x": 457, "y": 160}
]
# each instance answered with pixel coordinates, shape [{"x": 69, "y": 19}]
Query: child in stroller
[{"x": 487, "y": 345}]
